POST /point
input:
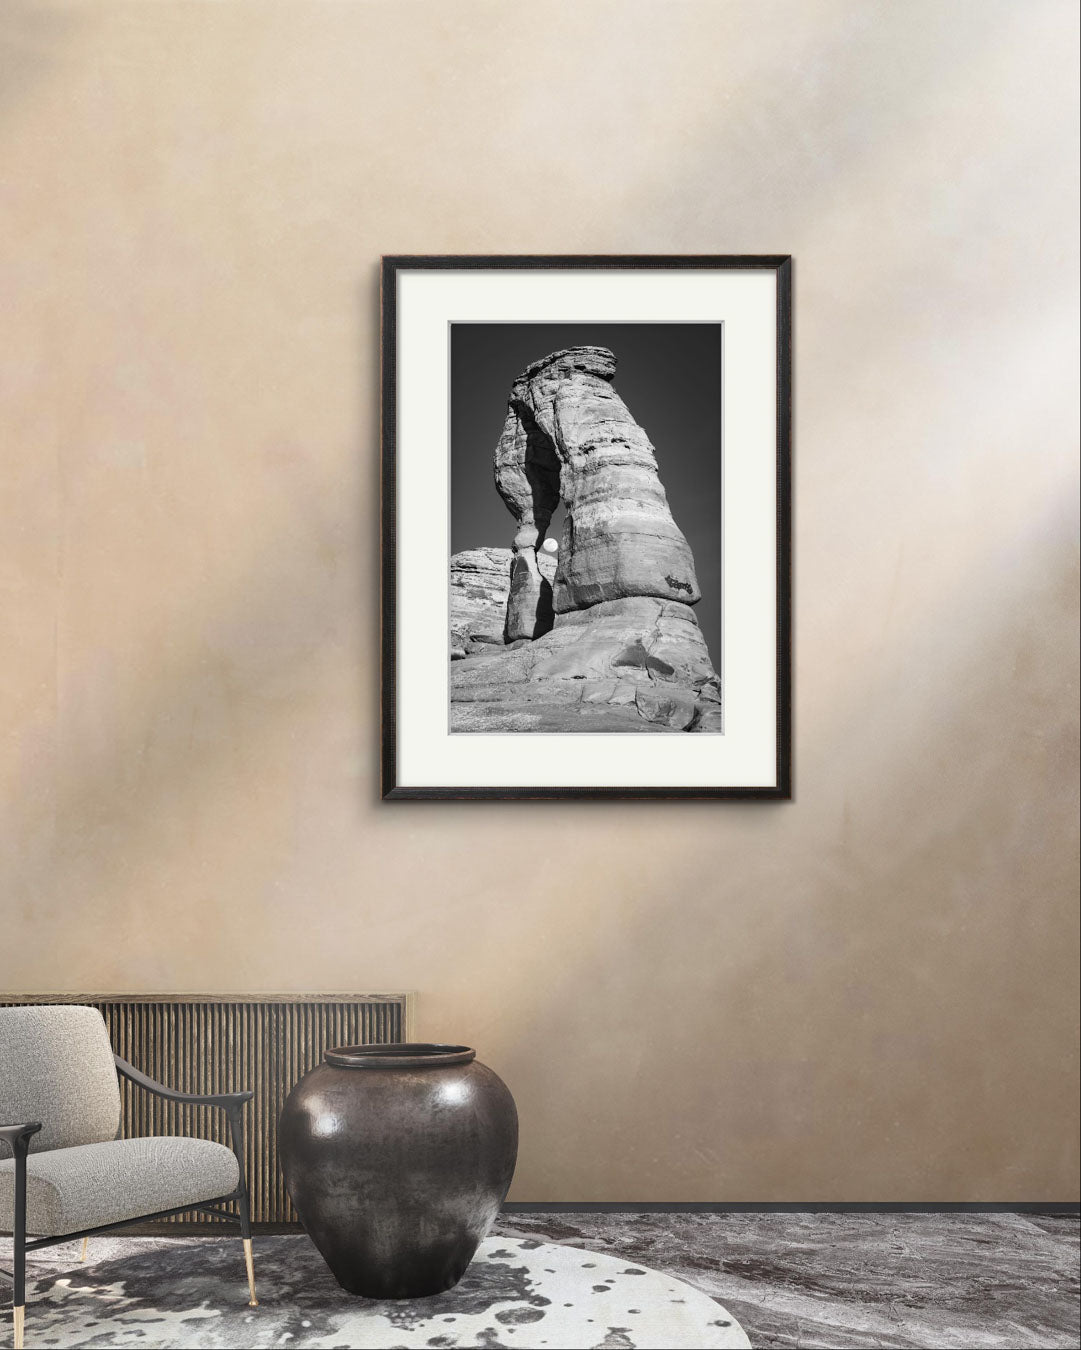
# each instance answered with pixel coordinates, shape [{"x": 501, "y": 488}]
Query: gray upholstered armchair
[{"x": 65, "y": 1174}]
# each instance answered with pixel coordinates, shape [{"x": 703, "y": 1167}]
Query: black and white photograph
[{"x": 585, "y": 577}]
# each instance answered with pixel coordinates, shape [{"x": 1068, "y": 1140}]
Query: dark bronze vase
[{"x": 397, "y": 1158}]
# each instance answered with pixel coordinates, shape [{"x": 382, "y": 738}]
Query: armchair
[{"x": 69, "y": 1175}]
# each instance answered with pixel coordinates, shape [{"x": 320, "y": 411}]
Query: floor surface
[
  {"x": 837, "y": 1280},
  {"x": 918, "y": 1281}
]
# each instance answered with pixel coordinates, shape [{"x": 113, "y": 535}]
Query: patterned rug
[{"x": 518, "y": 1293}]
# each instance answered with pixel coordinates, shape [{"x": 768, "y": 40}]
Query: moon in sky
[{"x": 550, "y": 546}]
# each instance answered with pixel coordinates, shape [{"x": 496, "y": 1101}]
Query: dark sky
[{"x": 668, "y": 375}]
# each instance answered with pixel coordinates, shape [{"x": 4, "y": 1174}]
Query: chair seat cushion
[{"x": 68, "y": 1189}]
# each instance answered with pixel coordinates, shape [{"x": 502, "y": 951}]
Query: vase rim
[{"x": 399, "y": 1055}]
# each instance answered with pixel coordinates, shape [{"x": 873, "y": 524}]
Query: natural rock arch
[{"x": 569, "y": 435}]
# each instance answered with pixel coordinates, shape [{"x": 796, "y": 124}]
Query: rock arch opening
[{"x": 542, "y": 468}]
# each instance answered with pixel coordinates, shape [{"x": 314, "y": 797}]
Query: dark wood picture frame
[{"x": 392, "y": 266}]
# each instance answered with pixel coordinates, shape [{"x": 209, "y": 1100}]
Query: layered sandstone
[
  {"x": 636, "y": 664},
  {"x": 569, "y": 434},
  {"x": 479, "y": 592}
]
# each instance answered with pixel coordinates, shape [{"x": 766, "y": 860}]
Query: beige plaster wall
[{"x": 868, "y": 994}]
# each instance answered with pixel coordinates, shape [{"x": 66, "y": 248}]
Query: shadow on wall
[
  {"x": 927, "y": 756},
  {"x": 780, "y": 1000},
  {"x": 924, "y": 1024},
  {"x": 34, "y": 46},
  {"x": 135, "y": 768}
]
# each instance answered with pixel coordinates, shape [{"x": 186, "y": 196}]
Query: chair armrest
[
  {"x": 18, "y": 1134},
  {"x": 228, "y": 1100},
  {"x": 231, "y": 1102}
]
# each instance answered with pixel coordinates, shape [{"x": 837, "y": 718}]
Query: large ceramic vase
[{"x": 397, "y": 1158}]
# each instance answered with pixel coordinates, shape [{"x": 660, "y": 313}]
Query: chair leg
[
  {"x": 236, "y": 1135},
  {"x": 19, "y": 1245},
  {"x": 19, "y": 1273},
  {"x": 253, "y": 1302},
  {"x": 244, "y": 1206},
  {"x": 86, "y": 1248}
]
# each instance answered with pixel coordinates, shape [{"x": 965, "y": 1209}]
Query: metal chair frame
[{"x": 18, "y": 1137}]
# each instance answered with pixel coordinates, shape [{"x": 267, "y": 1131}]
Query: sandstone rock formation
[
  {"x": 568, "y": 434},
  {"x": 479, "y": 591},
  {"x": 637, "y": 664},
  {"x": 609, "y": 642}
]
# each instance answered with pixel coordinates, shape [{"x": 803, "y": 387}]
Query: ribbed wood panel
[{"x": 198, "y": 1044}]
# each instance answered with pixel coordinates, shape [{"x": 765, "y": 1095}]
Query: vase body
[{"x": 397, "y": 1158}]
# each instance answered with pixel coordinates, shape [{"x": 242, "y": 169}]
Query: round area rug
[{"x": 519, "y": 1294}]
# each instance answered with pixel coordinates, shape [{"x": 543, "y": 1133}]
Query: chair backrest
[{"x": 56, "y": 1066}]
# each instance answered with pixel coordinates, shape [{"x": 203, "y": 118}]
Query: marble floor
[
  {"x": 911, "y": 1281},
  {"x": 855, "y": 1279}
]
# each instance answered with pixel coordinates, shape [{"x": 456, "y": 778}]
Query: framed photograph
[{"x": 586, "y": 527}]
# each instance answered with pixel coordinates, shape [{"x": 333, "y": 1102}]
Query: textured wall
[{"x": 867, "y": 994}]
